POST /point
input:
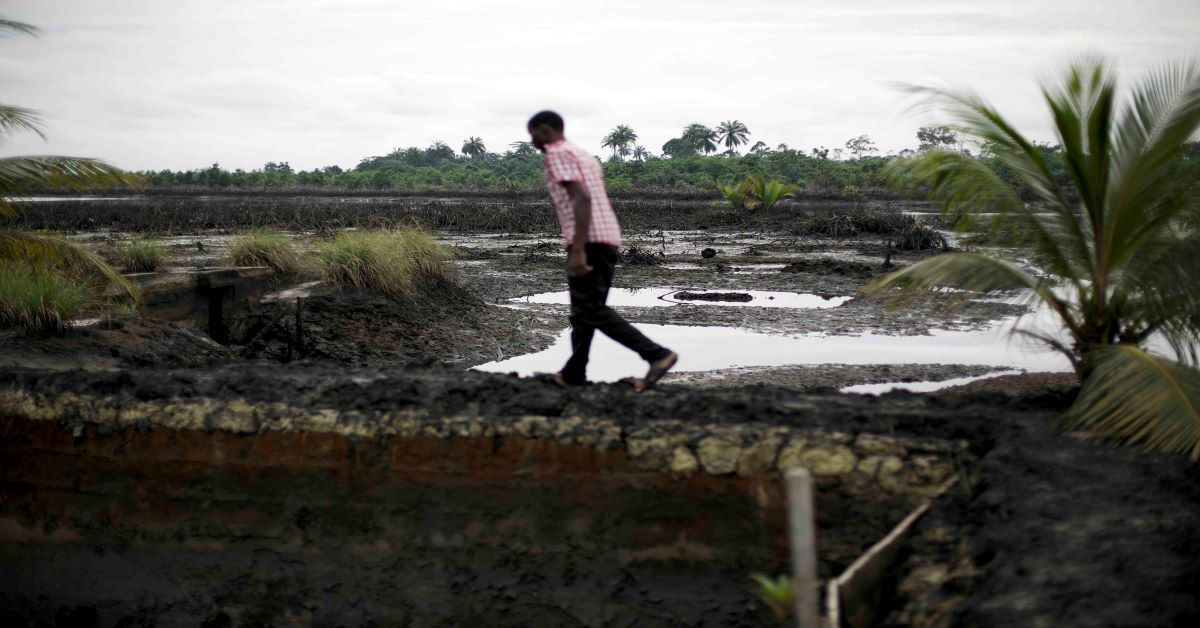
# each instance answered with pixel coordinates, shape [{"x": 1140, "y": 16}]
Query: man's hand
[{"x": 577, "y": 265}]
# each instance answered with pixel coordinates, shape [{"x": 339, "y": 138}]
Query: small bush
[
  {"x": 39, "y": 302},
  {"x": 142, "y": 256},
  {"x": 265, "y": 247},
  {"x": 394, "y": 263}
]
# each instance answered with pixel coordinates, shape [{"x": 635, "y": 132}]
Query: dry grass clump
[
  {"x": 142, "y": 256},
  {"x": 40, "y": 302},
  {"x": 265, "y": 247},
  {"x": 395, "y": 263}
]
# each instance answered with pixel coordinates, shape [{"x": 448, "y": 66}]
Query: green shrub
[
  {"x": 39, "y": 302},
  {"x": 395, "y": 263},
  {"x": 142, "y": 256},
  {"x": 265, "y": 247}
]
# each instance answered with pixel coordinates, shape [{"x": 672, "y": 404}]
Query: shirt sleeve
[{"x": 562, "y": 167}]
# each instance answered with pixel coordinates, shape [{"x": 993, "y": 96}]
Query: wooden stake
[{"x": 802, "y": 532}]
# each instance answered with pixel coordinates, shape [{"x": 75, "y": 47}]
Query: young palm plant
[
  {"x": 1120, "y": 245},
  {"x": 740, "y": 196},
  {"x": 19, "y": 176},
  {"x": 770, "y": 192}
]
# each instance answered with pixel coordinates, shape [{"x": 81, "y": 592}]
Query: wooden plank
[{"x": 852, "y": 598}]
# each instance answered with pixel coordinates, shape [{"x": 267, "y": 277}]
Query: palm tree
[
  {"x": 701, "y": 138},
  {"x": 732, "y": 133},
  {"x": 473, "y": 147},
  {"x": 619, "y": 139},
  {"x": 21, "y": 176},
  {"x": 640, "y": 153},
  {"x": 1123, "y": 260},
  {"x": 522, "y": 148}
]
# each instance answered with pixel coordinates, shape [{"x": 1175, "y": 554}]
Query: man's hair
[{"x": 549, "y": 118}]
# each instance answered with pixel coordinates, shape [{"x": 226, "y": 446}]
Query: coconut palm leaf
[
  {"x": 1141, "y": 399},
  {"x": 971, "y": 272},
  {"x": 21, "y": 175},
  {"x": 13, "y": 118},
  {"x": 42, "y": 251},
  {"x": 11, "y": 26},
  {"x": 977, "y": 118}
]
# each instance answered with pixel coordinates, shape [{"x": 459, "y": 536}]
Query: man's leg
[
  {"x": 594, "y": 314},
  {"x": 588, "y": 293}
]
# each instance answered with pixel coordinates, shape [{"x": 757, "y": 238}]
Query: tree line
[{"x": 697, "y": 158}]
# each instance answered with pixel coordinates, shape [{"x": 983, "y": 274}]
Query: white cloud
[{"x": 151, "y": 84}]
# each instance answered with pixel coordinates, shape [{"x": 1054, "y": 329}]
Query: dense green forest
[{"x": 687, "y": 163}]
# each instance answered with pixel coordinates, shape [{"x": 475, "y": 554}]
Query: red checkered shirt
[{"x": 567, "y": 162}]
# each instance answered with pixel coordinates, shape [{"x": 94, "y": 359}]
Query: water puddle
[
  {"x": 667, "y": 297},
  {"x": 711, "y": 348},
  {"x": 879, "y": 389}
]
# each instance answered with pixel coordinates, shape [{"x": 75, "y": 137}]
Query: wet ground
[{"x": 1046, "y": 529}]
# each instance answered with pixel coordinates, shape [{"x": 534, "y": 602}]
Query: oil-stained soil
[
  {"x": 1052, "y": 529},
  {"x": 350, "y": 326}
]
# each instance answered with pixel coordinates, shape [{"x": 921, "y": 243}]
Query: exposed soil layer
[
  {"x": 1058, "y": 530},
  {"x": 421, "y": 494}
]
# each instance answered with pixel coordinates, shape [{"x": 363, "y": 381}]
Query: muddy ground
[{"x": 1046, "y": 528}]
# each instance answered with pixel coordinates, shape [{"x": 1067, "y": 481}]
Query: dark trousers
[{"x": 589, "y": 313}]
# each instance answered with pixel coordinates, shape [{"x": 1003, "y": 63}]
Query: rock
[
  {"x": 836, "y": 460},
  {"x": 790, "y": 456},
  {"x": 683, "y": 462},
  {"x": 717, "y": 455},
  {"x": 759, "y": 457},
  {"x": 875, "y": 445}
]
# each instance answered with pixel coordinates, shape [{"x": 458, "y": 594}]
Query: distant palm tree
[
  {"x": 761, "y": 148},
  {"x": 619, "y": 139},
  {"x": 640, "y": 153},
  {"x": 733, "y": 134},
  {"x": 20, "y": 176},
  {"x": 701, "y": 138},
  {"x": 1123, "y": 261},
  {"x": 522, "y": 148},
  {"x": 473, "y": 147}
]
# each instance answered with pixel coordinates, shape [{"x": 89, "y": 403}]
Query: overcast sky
[{"x": 151, "y": 84}]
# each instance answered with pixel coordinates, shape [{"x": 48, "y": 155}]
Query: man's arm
[{"x": 582, "y": 202}]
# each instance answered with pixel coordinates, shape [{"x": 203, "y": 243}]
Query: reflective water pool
[
  {"x": 665, "y": 297},
  {"x": 711, "y": 348}
]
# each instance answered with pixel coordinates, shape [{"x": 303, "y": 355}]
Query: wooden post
[{"x": 802, "y": 533}]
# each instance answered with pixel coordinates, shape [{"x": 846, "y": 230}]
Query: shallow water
[
  {"x": 879, "y": 389},
  {"x": 664, "y": 297},
  {"x": 711, "y": 348}
]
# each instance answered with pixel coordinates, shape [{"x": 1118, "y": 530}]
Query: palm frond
[
  {"x": 1140, "y": 399},
  {"x": 978, "y": 119},
  {"x": 969, "y": 272},
  {"x": 12, "y": 26},
  {"x": 1081, "y": 106},
  {"x": 20, "y": 175},
  {"x": 42, "y": 251},
  {"x": 13, "y": 118},
  {"x": 1162, "y": 114}
]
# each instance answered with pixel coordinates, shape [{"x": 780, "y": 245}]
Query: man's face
[{"x": 541, "y": 135}]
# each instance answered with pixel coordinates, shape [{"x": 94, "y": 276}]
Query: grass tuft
[
  {"x": 39, "y": 302},
  {"x": 265, "y": 247},
  {"x": 395, "y": 263},
  {"x": 142, "y": 256}
]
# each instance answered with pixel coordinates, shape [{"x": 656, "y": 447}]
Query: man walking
[{"x": 591, "y": 236}]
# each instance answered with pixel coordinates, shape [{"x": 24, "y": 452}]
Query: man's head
[{"x": 545, "y": 127}]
